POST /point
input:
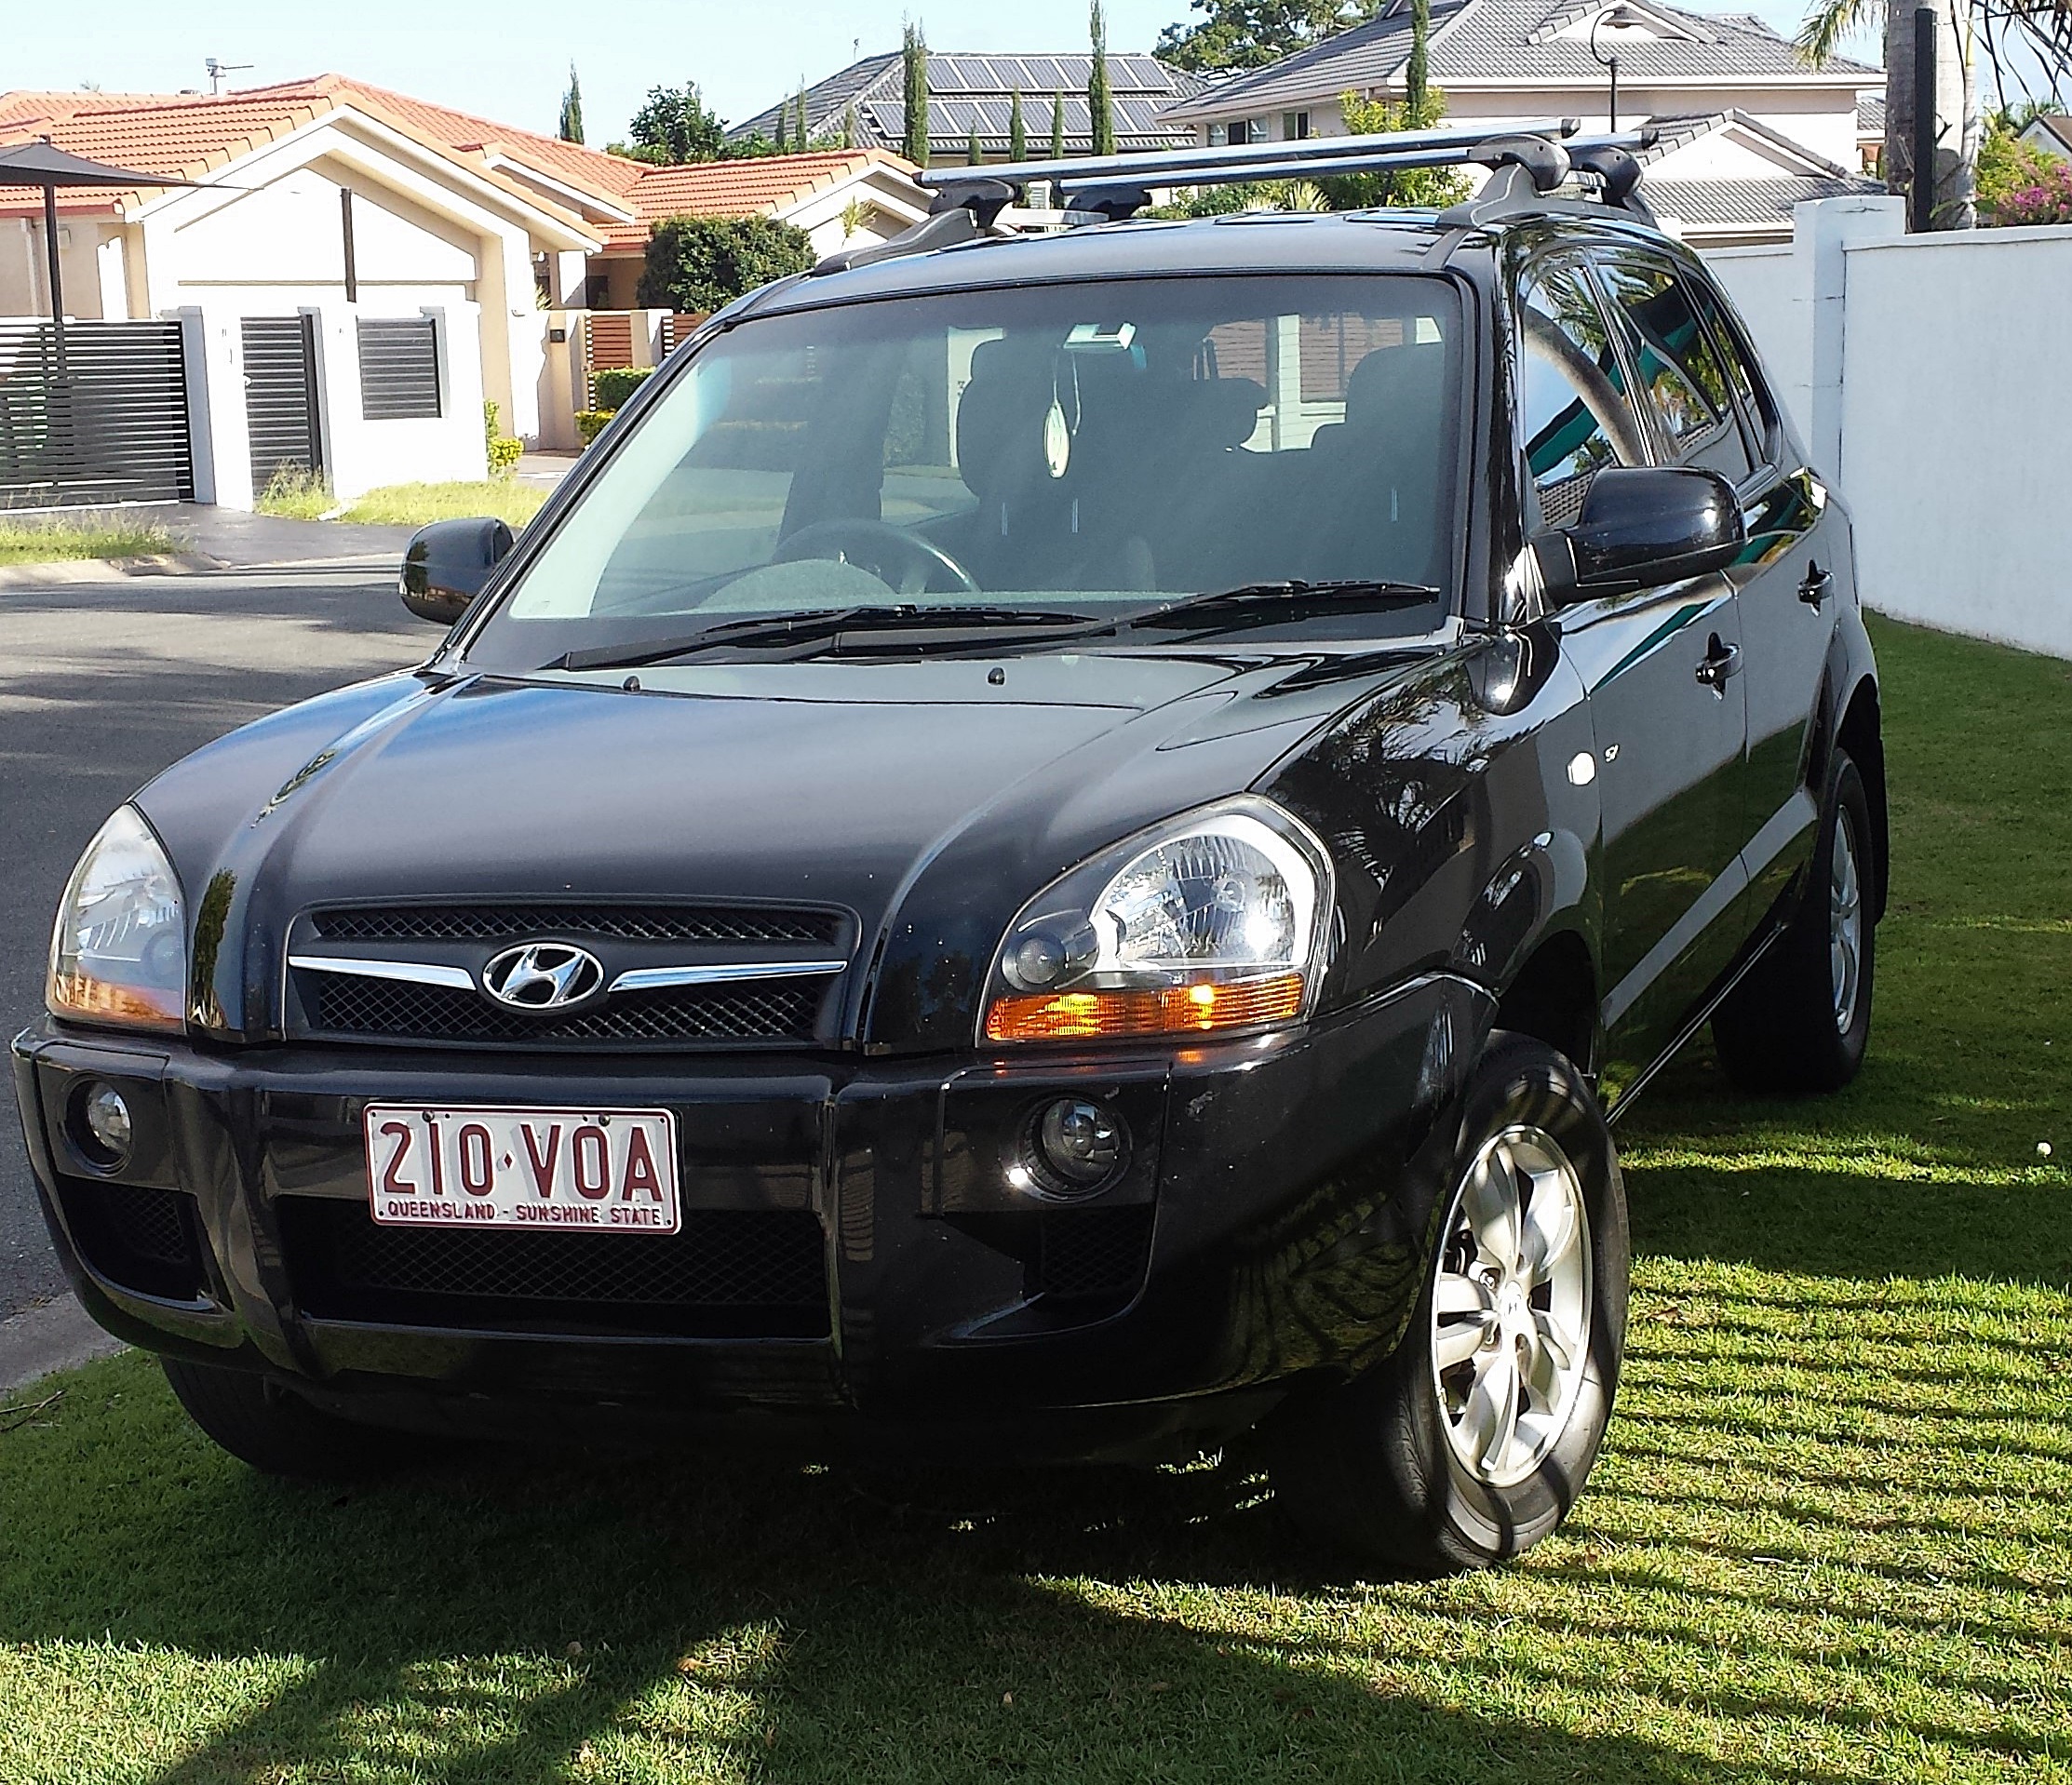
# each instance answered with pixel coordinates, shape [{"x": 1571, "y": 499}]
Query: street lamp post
[{"x": 1610, "y": 62}]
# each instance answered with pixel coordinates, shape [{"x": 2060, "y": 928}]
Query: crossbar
[{"x": 1154, "y": 167}]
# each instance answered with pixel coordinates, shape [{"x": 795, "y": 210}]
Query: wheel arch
[
  {"x": 1553, "y": 998},
  {"x": 1861, "y": 734}
]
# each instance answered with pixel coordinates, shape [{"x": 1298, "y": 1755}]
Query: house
[
  {"x": 333, "y": 222},
  {"x": 836, "y": 196},
  {"x": 1870, "y": 130},
  {"x": 865, "y": 102},
  {"x": 2050, "y": 134},
  {"x": 1727, "y": 180},
  {"x": 1533, "y": 59}
]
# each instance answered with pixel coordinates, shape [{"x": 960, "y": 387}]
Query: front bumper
[{"x": 856, "y": 1259}]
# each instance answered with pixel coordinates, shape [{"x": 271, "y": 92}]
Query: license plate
[{"x": 583, "y": 1171}]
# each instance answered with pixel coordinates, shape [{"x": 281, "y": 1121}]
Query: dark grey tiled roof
[
  {"x": 1870, "y": 115},
  {"x": 964, "y": 89},
  {"x": 1747, "y": 203},
  {"x": 1500, "y": 40}
]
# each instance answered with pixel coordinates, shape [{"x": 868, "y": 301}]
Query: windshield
[{"x": 1087, "y": 450}]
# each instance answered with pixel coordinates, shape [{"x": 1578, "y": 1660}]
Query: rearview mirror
[
  {"x": 1642, "y": 526},
  {"x": 447, "y": 565}
]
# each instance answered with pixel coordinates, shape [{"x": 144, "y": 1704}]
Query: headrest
[
  {"x": 1001, "y": 409},
  {"x": 1393, "y": 381},
  {"x": 1227, "y": 410}
]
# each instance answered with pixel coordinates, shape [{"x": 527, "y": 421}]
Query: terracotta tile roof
[
  {"x": 187, "y": 136},
  {"x": 750, "y": 188}
]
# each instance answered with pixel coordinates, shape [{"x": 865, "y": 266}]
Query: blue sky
[{"x": 509, "y": 60}]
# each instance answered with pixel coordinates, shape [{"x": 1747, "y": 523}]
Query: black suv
[{"x": 1054, "y": 847}]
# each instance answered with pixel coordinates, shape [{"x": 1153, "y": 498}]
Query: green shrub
[
  {"x": 503, "y": 451},
  {"x": 612, "y": 389},
  {"x": 589, "y": 424},
  {"x": 298, "y": 493},
  {"x": 696, "y": 264}
]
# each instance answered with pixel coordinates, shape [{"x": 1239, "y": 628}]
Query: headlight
[
  {"x": 1216, "y": 920},
  {"x": 120, "y": 955}
]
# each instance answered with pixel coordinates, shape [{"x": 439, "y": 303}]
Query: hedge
[
  {"x": 698, "y": 263},
  {"x": 612, "y": 389}
]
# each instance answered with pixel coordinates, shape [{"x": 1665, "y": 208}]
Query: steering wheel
[{"x": 880, "y": 548}]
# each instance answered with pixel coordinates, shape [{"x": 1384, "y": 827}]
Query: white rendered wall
[{"x": 1931, "y": 376}]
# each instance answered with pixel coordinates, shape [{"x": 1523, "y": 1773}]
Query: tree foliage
[
  {"x": 1416, "y": 188},
  {"x": 1249, "y": 34},
  {"x": 913, "y": 58},
  {"x": 2016, "y": 184},
  {"x": 1100, "y": 102},
  {"x": 571, "y": 109},
  {"x": 704, "y": 262},
  {"x": 1057, "y": 126},
  {"x": 673, "y": 126},
  {"x": 1018, "y": 130}
]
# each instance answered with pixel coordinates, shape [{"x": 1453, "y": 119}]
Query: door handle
[
  {"x": 1720, "y": 661},
  {"x": 1813, "y": 590}
]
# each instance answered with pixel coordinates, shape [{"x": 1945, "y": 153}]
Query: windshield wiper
[
  {"x": 822, "y": 628},
  {"x": 1266, "y": 603}
]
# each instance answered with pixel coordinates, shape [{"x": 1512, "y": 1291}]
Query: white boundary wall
[{"x": 1931, "y": 378}]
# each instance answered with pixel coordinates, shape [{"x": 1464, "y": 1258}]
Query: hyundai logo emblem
[{"x": 543, "y": 976}]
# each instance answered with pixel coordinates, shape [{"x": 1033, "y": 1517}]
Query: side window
[
  {"x": 1686, "y": 384},
  {"x": 1757, "y": 406},
  {"x": 1573, "y": 416}
]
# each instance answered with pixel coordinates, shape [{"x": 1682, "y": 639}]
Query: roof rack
[{"x": 1529, "y": 162}]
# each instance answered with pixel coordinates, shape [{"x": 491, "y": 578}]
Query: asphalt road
[{"x": 104, "y": 684}]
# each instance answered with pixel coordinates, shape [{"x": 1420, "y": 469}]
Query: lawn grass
[
  {"x": 47, "y": 541},
  {"x": 301, "y": 497},
  {"x": 1826, "y": 1542}
]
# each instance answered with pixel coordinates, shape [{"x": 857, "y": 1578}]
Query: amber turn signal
[
  {"x": 1166, "y": 1010},
  {"x": 99, "y": 1001}
]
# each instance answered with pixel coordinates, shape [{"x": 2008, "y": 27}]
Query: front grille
[
  {"x": 143, "y": 1240},
  {"x": 518, "y": 923},
  {"x": 1090, "y": 1252},
  {"x": 388, "y": 1010},
  {"x": 728, "y": 1274}
]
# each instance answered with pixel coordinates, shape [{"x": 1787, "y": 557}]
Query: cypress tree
[
  {"x": 799, "y": 130},
  {"x": 914, "y": 56},
  {"x": 1057, "y": 127},
  {"x": 849, "y": 126},
  {"x": 975, "y": 151},
  {"x": 1416, "y": 74},
  {"x": 1018, "y": 133},
  {"x": 784, "y": 128},
  {"x": 1102, "y": 127},
  {"x": 571, "y": 109}
]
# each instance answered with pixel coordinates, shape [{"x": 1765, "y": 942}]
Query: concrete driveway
[{"x": 101, "y": 685}]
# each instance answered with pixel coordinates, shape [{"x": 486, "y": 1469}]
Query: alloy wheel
[
  {"x": 1845, "y": 923},
  {"x": 1511, "y": 1306}
]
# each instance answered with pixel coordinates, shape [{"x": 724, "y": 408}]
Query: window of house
[
  {"x": 398, "y": 369},
  {"x": 1573, "y": 414},
  {"x": 1295, "y": 125},
  {"x": 1218, "y": 136},
  {"x": 1685, "y": 384}
]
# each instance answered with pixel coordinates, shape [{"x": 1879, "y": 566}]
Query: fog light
[
  {"x": 104, "y": 1130},
  {"x": 1075, "y": 1146}
]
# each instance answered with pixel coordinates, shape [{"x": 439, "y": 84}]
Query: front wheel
[{"x": 1472, "y": 1440}]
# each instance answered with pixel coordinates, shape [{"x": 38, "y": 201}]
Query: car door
[
  {"x": 1661, "y": 667},
  {"x": 1790, "y": 584}
]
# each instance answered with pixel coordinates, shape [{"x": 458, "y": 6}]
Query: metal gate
[
  {"x": 280, "y": 396},
  {"x": 94, "y": 413}
]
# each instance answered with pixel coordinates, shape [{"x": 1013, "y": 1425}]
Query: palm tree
[{"x": 1955, "y": 203}]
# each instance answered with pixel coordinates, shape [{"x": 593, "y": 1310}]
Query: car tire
[
  {"x": 264, "y": 1423},
  {"x": 1800, "y": 1022},
  {"x": 1415, "y": 1465}
]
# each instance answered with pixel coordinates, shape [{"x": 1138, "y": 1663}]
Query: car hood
[{"x": 929, "y": 799}]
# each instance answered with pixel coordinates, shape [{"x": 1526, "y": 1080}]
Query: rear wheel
[
  {"x": 1471, "y": 1441},
  {"x": 261, "y": 1422},
  {"x": 1800, "y": 1020}
]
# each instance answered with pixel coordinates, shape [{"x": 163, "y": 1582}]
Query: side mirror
[
  {"x": 1642, "y": 526},
  {"x": 446, "y": 564}
]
